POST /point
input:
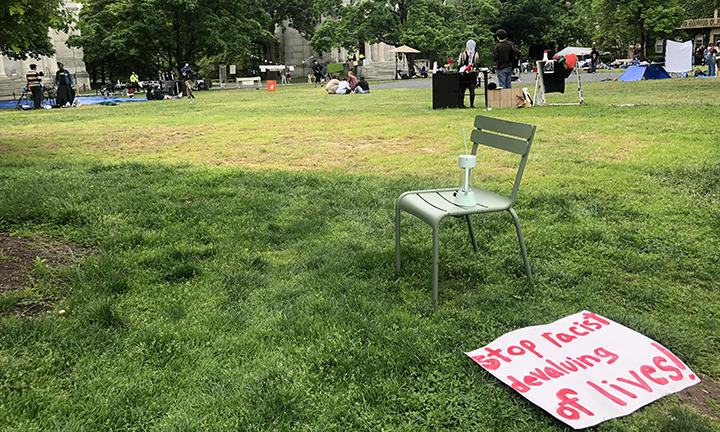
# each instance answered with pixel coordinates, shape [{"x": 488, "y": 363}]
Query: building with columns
[
  {"x": 12, "y": 72},
  {"x": 295, "y": 50}
]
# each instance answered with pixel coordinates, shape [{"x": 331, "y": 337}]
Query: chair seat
[{"x": 435, "y": 204}]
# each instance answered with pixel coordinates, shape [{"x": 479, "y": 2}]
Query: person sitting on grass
[
  {"x": 352, "y": 81},
  {"x": 332, "y": 85},
  {"x": 343, "y": 87},
  {"x": 362, "y": 86}
]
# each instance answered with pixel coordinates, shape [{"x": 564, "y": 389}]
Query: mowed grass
[{"x": 243, "y": 274}]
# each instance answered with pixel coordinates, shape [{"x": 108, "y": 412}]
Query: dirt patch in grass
[
  {"x": 23, "y": 259},
  {"x": 703, "y": 397}
]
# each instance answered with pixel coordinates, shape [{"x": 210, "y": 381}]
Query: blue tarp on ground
[
  {"x": 84, "y": 100},
  {"x": 636, "y": 73}
]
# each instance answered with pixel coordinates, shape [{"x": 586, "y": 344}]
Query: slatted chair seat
[
  {"x": 435, "y": 204},
  {"x": 432, "y": 206}
]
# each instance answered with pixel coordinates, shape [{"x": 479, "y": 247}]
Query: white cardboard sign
[{"x": 584, "y": 369}]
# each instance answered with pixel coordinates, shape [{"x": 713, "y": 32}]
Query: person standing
[
  {"x": 134, "y": 81},
  {"x": 467, "y": 61},
  {"x": 594, "y": 58},
  {"x": 34, "y": 83},
  {"x": 134, "y": 85},
  {"x": 710, "y": 60},
  {"x": 317, "y": 71},
  {"x": 505, "y": 54},
  {"x": 64, "y": 83},
  {"x": 288, "y": 75},
  {"x": 186, "y": 75},
  {"x": 699, "y": 54}
]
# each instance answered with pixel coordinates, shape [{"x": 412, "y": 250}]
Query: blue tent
[
  {"x": 636, "y": 73},
  {"x": 655, "y": 71}
]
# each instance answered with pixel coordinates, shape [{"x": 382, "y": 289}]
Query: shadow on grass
[{"x": 273, "y": 299}]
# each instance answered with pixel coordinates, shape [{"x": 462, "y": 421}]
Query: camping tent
[
  {"x": 636, "y": 73},
  {"x": 578, "y": 51}
]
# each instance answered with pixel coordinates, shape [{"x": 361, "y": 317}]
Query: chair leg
[
  {"x": 397, "y": 237},
  {"x": 435, "y": 267},
  {"x": 522, "y": 243},
  {"x": 472, "y": 233}
]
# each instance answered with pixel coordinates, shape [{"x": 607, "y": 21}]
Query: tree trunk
[
  {"x": 404, "y": 6},
  {"x": 643, "y": 43}
]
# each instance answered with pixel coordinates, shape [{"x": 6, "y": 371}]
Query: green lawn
[{"x": 243, "y": 276}]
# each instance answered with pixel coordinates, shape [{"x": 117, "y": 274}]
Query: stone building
[
  {"x": 703, "y": 26},
  {"x": 295, "y": 50},
  {"x": 12, "y": 72}
]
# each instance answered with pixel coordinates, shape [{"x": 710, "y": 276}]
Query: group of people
[
  {"x": 159, "y": 90},
  {"x": 711, "y": 55},
  {"x": 350, "y": 85},
  {"x": 65, "y": 93},
  {"x": 506, "y": 54}
]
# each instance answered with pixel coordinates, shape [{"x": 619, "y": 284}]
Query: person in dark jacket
[
  {"x": 64, "y": 83},
  {"x": 506, "y": 54},
  {"x": 594, "y": 58},
  {"x": 187, "y": 77},
  {"x": 362, "y": 86},
  {"x": 34, "y": 83},
  {"x": 317, "y": 71}
]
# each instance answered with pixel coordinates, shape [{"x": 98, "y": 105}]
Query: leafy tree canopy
[
  {"x": 621, "y": 23},
  {"x": 699, "y": 8},
  {"x": 119, "y": 36},
  {"x": 24, "y": 26},
  {"x": 435, "y": 27},
  {"x": 151, "y": 34}
]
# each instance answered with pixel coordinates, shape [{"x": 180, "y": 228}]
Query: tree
[
  {"x": 623, "y": 23},
  {"x": 119, "y": 36},
  {"x": 435, "y": 27},
  {"x": 699, "y": 8},
  {"x": 543, "y": 24},
  {"x": 25, "y": 25}
]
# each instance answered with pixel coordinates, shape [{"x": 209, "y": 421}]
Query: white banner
[
  {"x": 678, "y": 56},
  {"x": 584, "y": 369}
]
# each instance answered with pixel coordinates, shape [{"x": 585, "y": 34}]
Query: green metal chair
[{"x": 432, "y": 206}]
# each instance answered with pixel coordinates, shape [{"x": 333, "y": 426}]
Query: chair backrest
[{"x": 504, "y": 135}]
